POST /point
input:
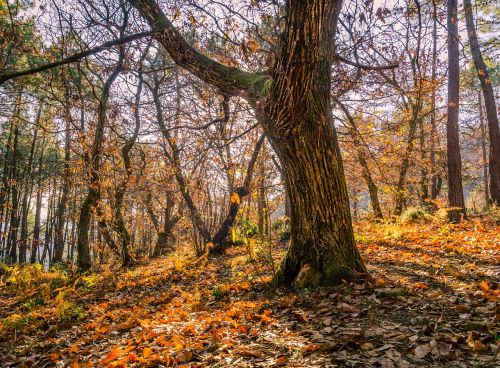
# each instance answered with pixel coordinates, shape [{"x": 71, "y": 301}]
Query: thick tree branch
[
  {"x": 4, "y": 77},
  {"x": 229, "y": 80}
]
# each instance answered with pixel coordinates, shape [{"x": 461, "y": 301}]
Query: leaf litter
[{"x": 430, "y": 299}]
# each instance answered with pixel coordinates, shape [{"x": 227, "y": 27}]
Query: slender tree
[
  {"x": 455, "y": 190},
  {"x": 489, "y": 104}
]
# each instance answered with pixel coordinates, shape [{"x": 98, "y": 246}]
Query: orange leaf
[
  {"x": 282, "y": 360},
  {"x": 147, "y": 352},
  {"x": 484, "y": 286},
  {"x": 112, "y": 355},
  {"x": 242, "y": 329}
]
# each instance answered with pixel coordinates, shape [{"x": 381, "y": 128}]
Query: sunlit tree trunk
[
  {"x": 295, "y": 111},
  {"x": 484, "y": 143},
  {"x": 489, "y": 103},
  {"x": 35, "y": 245},
  {"x": 435, "y": 179}
]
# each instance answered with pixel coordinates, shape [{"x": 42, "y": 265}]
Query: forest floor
[{"x": 430, "y": 300}]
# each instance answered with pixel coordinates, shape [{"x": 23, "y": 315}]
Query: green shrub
[{"x": 413, "y": 214}]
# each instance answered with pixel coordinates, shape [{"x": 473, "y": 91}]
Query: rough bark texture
[
  {"x": 489, "y": 103},
  {"x": 300, "y": 128},
  {"x": 455, "y": 190},
  {"x": 295, "y": 112}
]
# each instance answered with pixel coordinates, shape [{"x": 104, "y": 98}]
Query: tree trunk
[
  {"x": 434, "y": 176},
  {"x": 370, "y": 183},
  {"x": 455, "y": 190},
  {"x": 219, "y": 239},
  {"x": 165, "y": 237},
  {"x": 14, "y": 218},
  {"x": 489, "y": 103},
  {"x": 27, "y": 197},
  {"x": 63, "y": 202},
  {"x": 5, "y": 182},
  {"x": 38, "y": 210},
  {"x": 295, "y": 111},
  {"x": 90, "y": 201},
  {"x": 484, "y": 143}
]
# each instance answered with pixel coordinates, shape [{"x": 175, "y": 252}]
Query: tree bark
[
  {"x": 90, "y": 201},
  {"x": 23, "y": 243},
  {"x": 489, "y": 103},
  {"x": 434, "y": 175},
  {"x": 63, "y": 202},
  {"x": 38, "y": 211},
  {"x": 297, "y": 119},
  {"x": 14, "y": 218},
  {"x": 484, "y": 143},
  {"x": 455, "y": 190}
]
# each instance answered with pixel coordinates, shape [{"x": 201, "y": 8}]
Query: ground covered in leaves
[{"x": 430, "y": 300}]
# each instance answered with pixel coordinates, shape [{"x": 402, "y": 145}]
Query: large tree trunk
[
  {"x": 455, "y": 190},
  {"x": 489, "y": 103},
  {"x": 322, "y": 241},
  {"x": 300, "y": 127},
  {"x": 295, "y": 111}
]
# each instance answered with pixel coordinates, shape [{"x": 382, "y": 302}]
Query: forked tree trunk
[{"x": 295, "y": 111}]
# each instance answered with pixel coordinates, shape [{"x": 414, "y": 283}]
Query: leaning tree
[{"x": 292, "y": 103}]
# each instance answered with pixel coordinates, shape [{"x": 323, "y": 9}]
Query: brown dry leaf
[
  {"x": 282, "y": 360},
  {"x": 421, "y": 351},
  {"x": 242, "y": 351}
]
